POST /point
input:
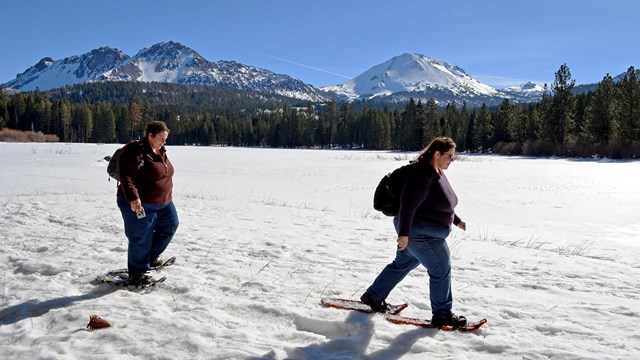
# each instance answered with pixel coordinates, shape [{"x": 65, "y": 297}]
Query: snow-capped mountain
[
  {"x": 422, "y": 77},
  {"x": 411, "y": 73},
  {"x": 528, "y": 92},
  {"x": 175, "y": 63},
  {"x": 50, "y": 74},
  {"x": 405, "y": 76},
  {"x": 164, "y": 62},
  {"x": 527, "y": 88}
]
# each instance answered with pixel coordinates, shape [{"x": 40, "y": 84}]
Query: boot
[
  {"x": 376, "y": 305},
  {"x": 451, "y": 319}
]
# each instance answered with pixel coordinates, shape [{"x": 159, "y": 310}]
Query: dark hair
[
  {"x": 155, "y": 127},
  {"x": 441, "y": 144}
]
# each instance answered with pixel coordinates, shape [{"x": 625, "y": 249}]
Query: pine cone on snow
[{"x": 96, "y": 322}]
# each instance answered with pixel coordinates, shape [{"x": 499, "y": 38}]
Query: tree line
[{"x": 605, "y": 122}]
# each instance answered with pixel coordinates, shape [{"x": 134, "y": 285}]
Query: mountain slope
[
  {"x": 163, "y": 62},
  {"x": 50, "y": 74},
  {"x": 169, "y": 62},
  {"x": 413, "y": 75}
]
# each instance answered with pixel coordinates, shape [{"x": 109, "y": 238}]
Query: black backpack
[
  {"x": 387, "y": 195},
  {"x": 112, "y": 168}
]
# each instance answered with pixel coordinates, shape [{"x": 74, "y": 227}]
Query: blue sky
[{"x": 498, "y": 42}]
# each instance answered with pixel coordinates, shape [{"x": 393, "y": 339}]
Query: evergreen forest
[{"x": 600, "y": 123}]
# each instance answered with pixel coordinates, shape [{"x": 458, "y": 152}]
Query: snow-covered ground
[{"x": 551, "y": 258}]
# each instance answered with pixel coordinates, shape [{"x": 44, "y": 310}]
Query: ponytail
[{"x": 441, "y": 144}]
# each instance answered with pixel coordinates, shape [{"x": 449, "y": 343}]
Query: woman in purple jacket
[
  {"x": 423, "y": 224},
  {"x": 145, "y": 200}
]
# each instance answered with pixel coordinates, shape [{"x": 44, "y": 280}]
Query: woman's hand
[
  {"x": 462, "y": 225},
  {"x": 136, "y": 205},
  {"x": 403, "y": 241}
]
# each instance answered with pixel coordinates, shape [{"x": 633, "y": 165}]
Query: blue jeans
[
  {"x": 149, "y": 236},
  {"x": 427, "y": 246}
]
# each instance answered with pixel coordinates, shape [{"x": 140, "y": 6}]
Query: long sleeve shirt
[
  {"x": 427, "y": 196},
  {"x": 145, "y": 175}
]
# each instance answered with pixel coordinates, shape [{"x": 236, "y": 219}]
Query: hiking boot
[
  {"x": 453, "y": 320},
  {"x": 139, "y": 280},
  {"x": 156, "y": 262},
  {"x": 375, "y": 305}
]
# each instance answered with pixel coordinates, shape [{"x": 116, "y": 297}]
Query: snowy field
[{"x": 551, "y": 258}]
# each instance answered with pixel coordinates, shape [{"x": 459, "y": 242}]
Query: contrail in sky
[{"x": 310, "y": 67}]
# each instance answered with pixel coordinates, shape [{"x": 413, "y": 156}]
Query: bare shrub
[
  {"x": 510, "y": 148},
  {"x": 539, "y": 148},
  {"x": 580, "y": 148},
  {"x": 10, "y": 135},
  {"x": 615, "y": 149},
  {"x": 619, "y": 149}
]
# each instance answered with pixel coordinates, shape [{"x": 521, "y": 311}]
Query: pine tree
[
  {"x": 4, "y": 115},
  {"x": 601, "y": 113},
  {"x": 333, "y": 118},
  {"x": 431, "y": 124},
  {"x": 470, "y": 143},
  {"x": 4, "y": 109},
  {"x": 460, "y": 128},
  {"x": 544, "y": 111},
  {"x": 61, "y": 119},
  {"x": 484, "y": 129},
  {"x": 505, "y": 116},
  {"x": 561, "y": 119},
  {"x": 82, "y": 122},
  {"x": 582, "y": 102},
  {"x": 629, "y": 96},
  {"x": 420, "y": 117},
  {"x": 450, "y": 125},
  {"x": 518, "y": 128},
  {"x": 408, "y": 128},
  {"x": 386, "y": 136},
  {"x": 104, "y": 124},
  {"x": 135, "y": 117},
  {"x": 19, "y": 106},
  {"x": 311, "y": 123},
  {"x": 533, "y": 125}
]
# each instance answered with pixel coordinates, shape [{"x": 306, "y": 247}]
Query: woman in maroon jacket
[
  {"x": 145, "y": 200},
  {"x": 423, "y": 223}
]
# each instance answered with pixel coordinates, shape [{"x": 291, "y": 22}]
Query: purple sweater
[{"x": 427, "y": 196}]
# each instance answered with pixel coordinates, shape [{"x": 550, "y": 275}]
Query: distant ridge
[
  {"x": 409, "y": 75},
  {"x": 163, "y": 62}
]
